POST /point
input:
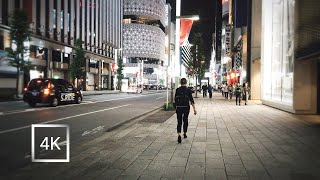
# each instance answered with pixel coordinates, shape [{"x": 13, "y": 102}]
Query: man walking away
[
  {"x": 204, "y": 90},
  {"x": 238, "y": 94},
  {"x": 210, "y": 91},
  {"x": 182, "y": 98}
]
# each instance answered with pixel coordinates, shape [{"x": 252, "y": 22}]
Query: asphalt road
[{"x": 88, "y": 120}]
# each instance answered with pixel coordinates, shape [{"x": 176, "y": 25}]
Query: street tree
[
  {"x": 77, "y": 67},
  {"x": 120, "y": 71},
  {"x": 19, "y": 34},
  {"x": 196, "y": 64}
]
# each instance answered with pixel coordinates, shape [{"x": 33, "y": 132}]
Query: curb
[{"x": 136, "y": 119}]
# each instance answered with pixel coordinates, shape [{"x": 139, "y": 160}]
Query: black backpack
[{"x": 182, "y": 99}]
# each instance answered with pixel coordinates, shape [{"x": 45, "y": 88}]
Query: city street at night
[
  {"x": 224, "y": 141},
  {"x": 159, "y": 90}
]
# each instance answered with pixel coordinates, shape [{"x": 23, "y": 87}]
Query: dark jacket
[{"x": 184, "y": 89}]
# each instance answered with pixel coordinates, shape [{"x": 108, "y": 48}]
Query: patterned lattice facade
[
  {"x": 140, "y": 40},
  {"x": 153, "y": 9}
]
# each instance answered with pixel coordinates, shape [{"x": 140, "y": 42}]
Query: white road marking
[
  {"x": 93, "y": 131},
  {"x": 63, "y": 143},
  {"x": 160, "y": 97},
  {"x": 27, "y": 110},
  {"x": 1, "y": 113},
  {"x": 61, "y": 119},
  {"x": 69, "y": 105}
]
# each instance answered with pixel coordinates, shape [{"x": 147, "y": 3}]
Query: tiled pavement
[{"x": 224, "y": 141}]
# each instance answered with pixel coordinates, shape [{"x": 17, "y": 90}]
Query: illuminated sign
[{"x": 228, "y": 40}]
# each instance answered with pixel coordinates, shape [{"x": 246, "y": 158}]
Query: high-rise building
[
  {"x": 144, "y": 41},
  {"x": 55, "y": 25}
]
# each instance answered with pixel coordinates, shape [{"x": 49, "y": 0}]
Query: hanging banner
[
  {"x": 228, "y": 40},
  {"x": 238, "y": 58},
  {"x": 186, "y": 25}
]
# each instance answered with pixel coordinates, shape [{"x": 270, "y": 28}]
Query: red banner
[{"x": 186, "y": 25}]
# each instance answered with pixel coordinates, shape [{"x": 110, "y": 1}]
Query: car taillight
[
  {"x": 46, "y": 91},
  {"x": 25, "y": 89}
]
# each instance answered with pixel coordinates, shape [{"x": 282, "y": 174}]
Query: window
[{"x": 278, "y": 65}]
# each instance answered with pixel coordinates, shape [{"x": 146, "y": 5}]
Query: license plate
[{"x": 35, "y": 93}]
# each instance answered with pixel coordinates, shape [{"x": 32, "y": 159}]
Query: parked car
[
  {"x": 135, "y": 89},
  {"x": 52, "y": 91},
  {"x": 153, "y": 87}
]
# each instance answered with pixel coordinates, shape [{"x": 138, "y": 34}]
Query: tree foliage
[
  {"x": 197, "y": 63},
  {"x": 77, "y": 67},
  {"x": 19, "y": 35},
  {"x": 120, "y": 71}
]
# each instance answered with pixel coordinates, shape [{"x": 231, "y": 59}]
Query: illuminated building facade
[
  {"x": 144, "y": 41},
  {"x": 56, "y": 24}
]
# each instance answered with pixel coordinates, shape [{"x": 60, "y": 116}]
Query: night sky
[{"x": 204, "y": 8}]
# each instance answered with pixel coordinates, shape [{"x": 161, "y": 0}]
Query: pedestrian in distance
[
  {"x": 204, "y": 90},
  {"x": 210, "y": 88},
  {"x": 231, "y": 89},
  {"x": 222, "y": 88},
  {"x": 183, "y": 98},
  {"x": 238, "y": 92},
  {"x": 245, "y": 93},
  {"x": 225, "y": 90}
]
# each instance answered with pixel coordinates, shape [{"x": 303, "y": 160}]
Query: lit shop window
[
  {"x": 127, "y": 21},
  {"x": 61, "y": 17},
  {"x": 278, "y": 51},
  {"x": 54, "y": 18}
]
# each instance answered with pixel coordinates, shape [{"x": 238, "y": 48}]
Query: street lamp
[{"x": 177, "y": 49}]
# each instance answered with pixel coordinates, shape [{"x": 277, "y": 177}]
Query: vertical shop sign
[{"x": 228, "y": 40}]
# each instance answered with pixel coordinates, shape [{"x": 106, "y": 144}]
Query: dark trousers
[
  {"x": 238, "y": 97},
  {"x": 226, "y": 95},
  {"x": 182, "y": 115},
  {"x": 210, "y": 94},
  {"x": 204, "y": 93}
]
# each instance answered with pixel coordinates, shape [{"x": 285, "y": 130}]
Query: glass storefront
[{"x": 278, "y": 50}]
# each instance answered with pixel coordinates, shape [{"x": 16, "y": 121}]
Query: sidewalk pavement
[{"x": 224, "y": 141}]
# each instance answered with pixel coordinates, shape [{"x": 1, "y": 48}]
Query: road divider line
[
  {"x": 61, "y": 119},
  {"x": 160, "y": 97}
]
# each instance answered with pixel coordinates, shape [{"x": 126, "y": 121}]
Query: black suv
[{"x": 53, "y": 91}]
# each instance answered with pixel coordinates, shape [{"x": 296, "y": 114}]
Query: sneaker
[
  {"x": 179, "y": 139},
  {"x": 185, "y": 136}
]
